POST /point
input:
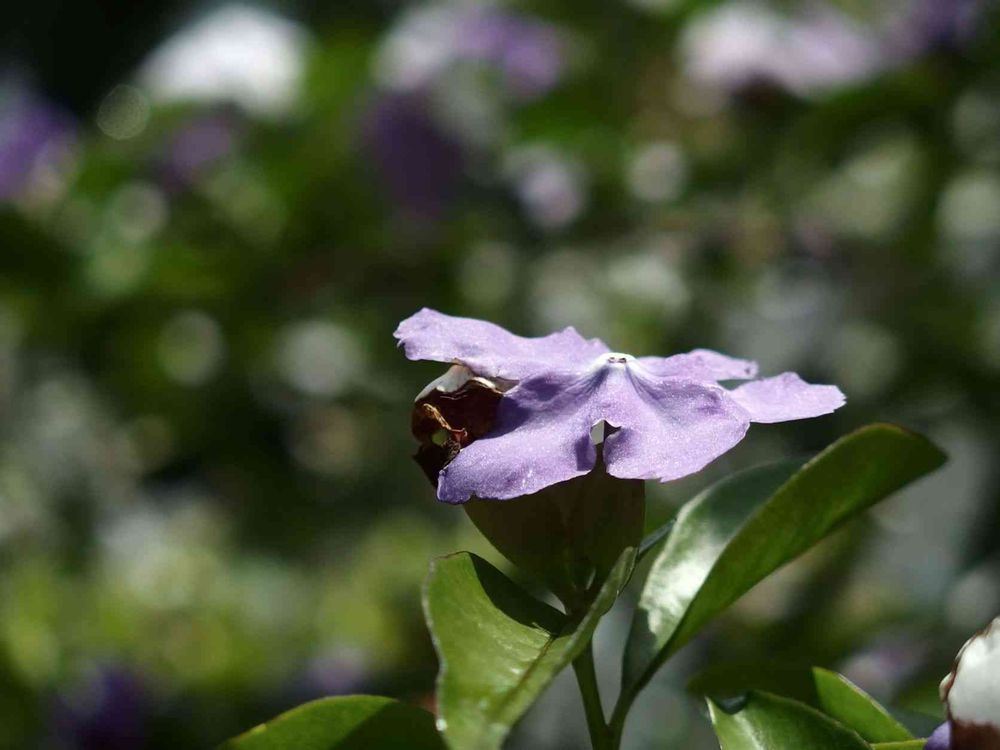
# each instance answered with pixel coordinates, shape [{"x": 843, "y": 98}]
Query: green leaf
[
  {"x": 828, "y": 692},
  {"x": 653, "y": 539},
  {"x": 354, "y": 722},
  {"x": 734, "y": 679},
  {"x": 906, "y": 745},
  {"x": 569, "y": 534},
  {"x": 851, "y": 706},
  {"x": 499, "y": 648},
  {"x": 767, "y": 722},
  {"x": 739, "y": 531}
]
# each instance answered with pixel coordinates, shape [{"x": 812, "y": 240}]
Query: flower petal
[
  {"x": 700, "y": 364},
  {"x": 786, "y": 397},
  {"x": 666, "y": 428},
  {"x": 670, "y": 428},
  {"x": 941, "y": 739},
  {"x": 490, "y": 350},
  {"x": 542, "y": 436}
]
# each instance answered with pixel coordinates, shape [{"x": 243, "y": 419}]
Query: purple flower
[
  {"x": 927, "y": 25},
  {"x": 32, "y": 132},
  {"x": 529, "y": 53},
  {"x": 340, "y": 672},
  {"x": 666, "y": 417},
  {"x": 420, "y": 165},
  {"x": 198, "y": 145},
  {"x": 107, "y": 711},
  {"x": 940, "y": 740}
]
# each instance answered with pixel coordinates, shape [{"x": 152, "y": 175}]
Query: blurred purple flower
[
  {"x": 340, "y": 672},
  {"x": 743, "y": 43},
  {"x": 196, "y": 146},
  {"x": 940, "y": 740},
  {"x": 106, "y": 711},
  {"x": 926, "y": 25},
  {"x": 668, "y": 417},
  {"x": 528, "y": 52},
  {"x": 32, "y": 130},
  {"x": 888, "y": 663},
  {"x": 418, "y": 163}
]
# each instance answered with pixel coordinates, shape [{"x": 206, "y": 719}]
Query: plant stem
[
  {"x": 617, "y": 723},
  {"x": 586, "y": 677}
]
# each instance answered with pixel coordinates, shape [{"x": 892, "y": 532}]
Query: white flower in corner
[{"x": 972, "y": 695}]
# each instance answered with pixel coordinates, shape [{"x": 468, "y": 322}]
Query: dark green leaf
[
  {"x": 354, "y": 722},
  {"x": 499, "y": 647},
  {"x": 569, "y": 534},
  {"x": 767, "y": 722},
  {"x": 742, "y": 529}
]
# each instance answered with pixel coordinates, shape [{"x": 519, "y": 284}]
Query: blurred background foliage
[{"x": 213, "y": 215}]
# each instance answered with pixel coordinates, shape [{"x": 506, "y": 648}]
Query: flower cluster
[{"x": 656, "y": 417}]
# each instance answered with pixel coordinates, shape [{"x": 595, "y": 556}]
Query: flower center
[{"x": 616, "y": 358}]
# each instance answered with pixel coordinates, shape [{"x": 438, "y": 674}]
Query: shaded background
[{"x": 213, "y": 215}]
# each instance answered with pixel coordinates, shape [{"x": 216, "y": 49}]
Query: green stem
[
  {"x": 586, "y": 677},
  {"x": 617, "y": 724}
]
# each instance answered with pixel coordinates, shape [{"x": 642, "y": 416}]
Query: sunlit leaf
[
  {"x": 768, "y": 722},
  {"x": 829, "y": 692},
  {"x": 499, "y": 647},
  {"x": 852, "y": 707},
  {"x": 742, "y": 529}
]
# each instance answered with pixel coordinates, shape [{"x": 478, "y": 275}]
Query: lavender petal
[
  {"x": 786, "y": 397},
  {"x": 700, "y": 364},
  {"x": 489, "y": 350}
]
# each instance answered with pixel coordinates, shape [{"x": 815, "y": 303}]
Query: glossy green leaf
[
  {"x": 742, "y": 529},
  {"x": 568, "y": 534},
  {"x": 652, "y": 540},
  {"x": 767, "y": 722},
  {"x": 354, "y": 722},
  {"x": 829, "y": 692},
  {"x": 906, "y": 745},
  {"x": 499, "y": 647},
  {"x": 851, "y": 706}
]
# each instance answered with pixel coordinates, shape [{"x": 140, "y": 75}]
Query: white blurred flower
[
  {"x": 649, "y": 281},
  {"x": 657, "y": 172},
  {"x": 429, "y": 41},
  {"x": 744, "y": 42},
  {"x": 236, "y": 53},
  {"x": 417, "y": 49},
  {"x": 550, "y": 185},
  {"x": 320, "y": 358}
]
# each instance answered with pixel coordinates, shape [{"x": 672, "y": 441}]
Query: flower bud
[
  {"x": 972, "y": 693},
  {"x": 451, "y": 412}
]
